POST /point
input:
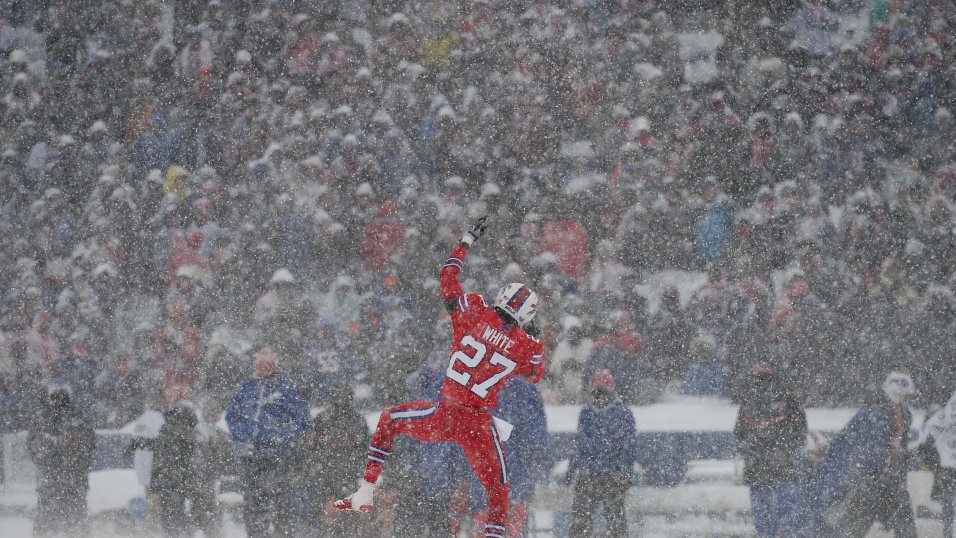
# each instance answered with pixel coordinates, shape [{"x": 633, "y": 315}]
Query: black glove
[{"x": 476, "y": 231}]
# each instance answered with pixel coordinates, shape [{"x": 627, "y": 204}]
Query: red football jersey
[{"x": 486, "y": 351}]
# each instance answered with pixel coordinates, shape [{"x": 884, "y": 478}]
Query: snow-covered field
[{"x": 708, "y": 503}]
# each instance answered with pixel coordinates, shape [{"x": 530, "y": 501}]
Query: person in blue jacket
[
  {"x": 863, "y": 476},
  {"x": 266, "y": 417},
  {"x": 521, "y": 405},
  {"x": 602, "y": 465}
]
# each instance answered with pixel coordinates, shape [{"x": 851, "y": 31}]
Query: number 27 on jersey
[{"x": 464, "y": 378}]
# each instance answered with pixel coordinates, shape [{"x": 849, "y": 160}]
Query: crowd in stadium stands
[{"x": 187, "y": 182}]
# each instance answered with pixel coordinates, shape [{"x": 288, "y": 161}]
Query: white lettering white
[{"x": 496, "y": 338}]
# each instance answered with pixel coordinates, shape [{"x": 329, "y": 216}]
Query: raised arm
[{"x": 451, "y": 291}]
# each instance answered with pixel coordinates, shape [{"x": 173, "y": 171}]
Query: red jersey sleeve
[
  {"x": 450, "y": 286},
  {"x": 535, "y": 367}
]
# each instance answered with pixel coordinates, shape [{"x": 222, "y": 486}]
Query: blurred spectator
[
  {"x": 602, "y": 464},
  {"x": 811, "y": 26},
  {"x": 793, "y": 152},
  {"x": 286, "y": 323},
  {"x": 936, "y": 447},
  {"x": 119, "y": 395},
  {"x": 332, "y": 452},
  {"x": 266, "y": 418},
  {"x": 619, "y": 352},
  {"x": 863, "y": 475},
  {"x": 382, "y": 238},
  {"x": 705, "y": 370},
  {"x": 566, "y": 364},
  {"x": 771, "y": 427},
  {"x": 79, "y": 371},
  {"x": 196, "y": 58},
  {"x": 668, "y": 334},
  {"x": 61, "y": 444},
  {"x": 567, "y": 238},
  {"x": 180, "y": 479},
  {"x": 159, "y": 147}
]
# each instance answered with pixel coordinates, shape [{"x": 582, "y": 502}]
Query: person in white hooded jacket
[
  {"x": 567, "y": 363},
  {"x": 937, "y": 449},
  {"x": 341, "y": 304}
]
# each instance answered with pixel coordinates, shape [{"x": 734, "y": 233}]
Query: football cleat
[{"x": 360, "y": 501}]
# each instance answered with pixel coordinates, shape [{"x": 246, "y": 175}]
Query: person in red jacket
[
  {"x": 568, "y": 240},
  {"x": 491, "y": 344},
  {"x": 383, "y": 237}
]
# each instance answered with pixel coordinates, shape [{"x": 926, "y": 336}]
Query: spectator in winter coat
[
  {"x": 340, "y": 305},
  {"x": 331, "y": 364},
  {"x": 937, "y": 448},
  {"x": 567, "y": 363},
  {"x": 266, "y": 416},
  {"x": 715, "y": 222},
  {"x": 178, "y": 475},
  {"x": 333, "y": 449},
  {"x": 119, "y": 395},
  {"x": 61, "y": 443},
  {"x": 602, "y": 465},
  {"x": 704, "y": 375},
  {"x": 863, "y": 476},
  {"x": 196, "y": 55},
  {"x": 176, "y": 348},
  {"x": 668, "y": 334},
  {"x": 286, "y": 321},
  {"x": 568, "y": 240},
  {"x": 159, "y": 147},
  {"x": 619, "y": 352},
  {"x": 382, "y": 238},
  {"x": 811, "y": 27},
  {"x": 771, "y": 427}
]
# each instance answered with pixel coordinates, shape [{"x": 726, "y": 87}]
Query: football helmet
[{"x": 518, "y": 301}]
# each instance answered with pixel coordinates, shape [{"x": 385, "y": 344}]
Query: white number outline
[
  {"x": 481, "y": 389},
  {"x": 472, "y": 361}
]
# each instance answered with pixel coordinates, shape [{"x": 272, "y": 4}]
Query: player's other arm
[
  {"x": 535, "y": 366},
  {"x": 451, "y": 291}
]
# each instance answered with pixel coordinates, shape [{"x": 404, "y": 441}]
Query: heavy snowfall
[{"x": 225, "y": 237}]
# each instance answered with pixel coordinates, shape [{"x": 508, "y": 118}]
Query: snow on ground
[
  {"x": 112, "y": 490},
  {"x": 711, "y": 502}
]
